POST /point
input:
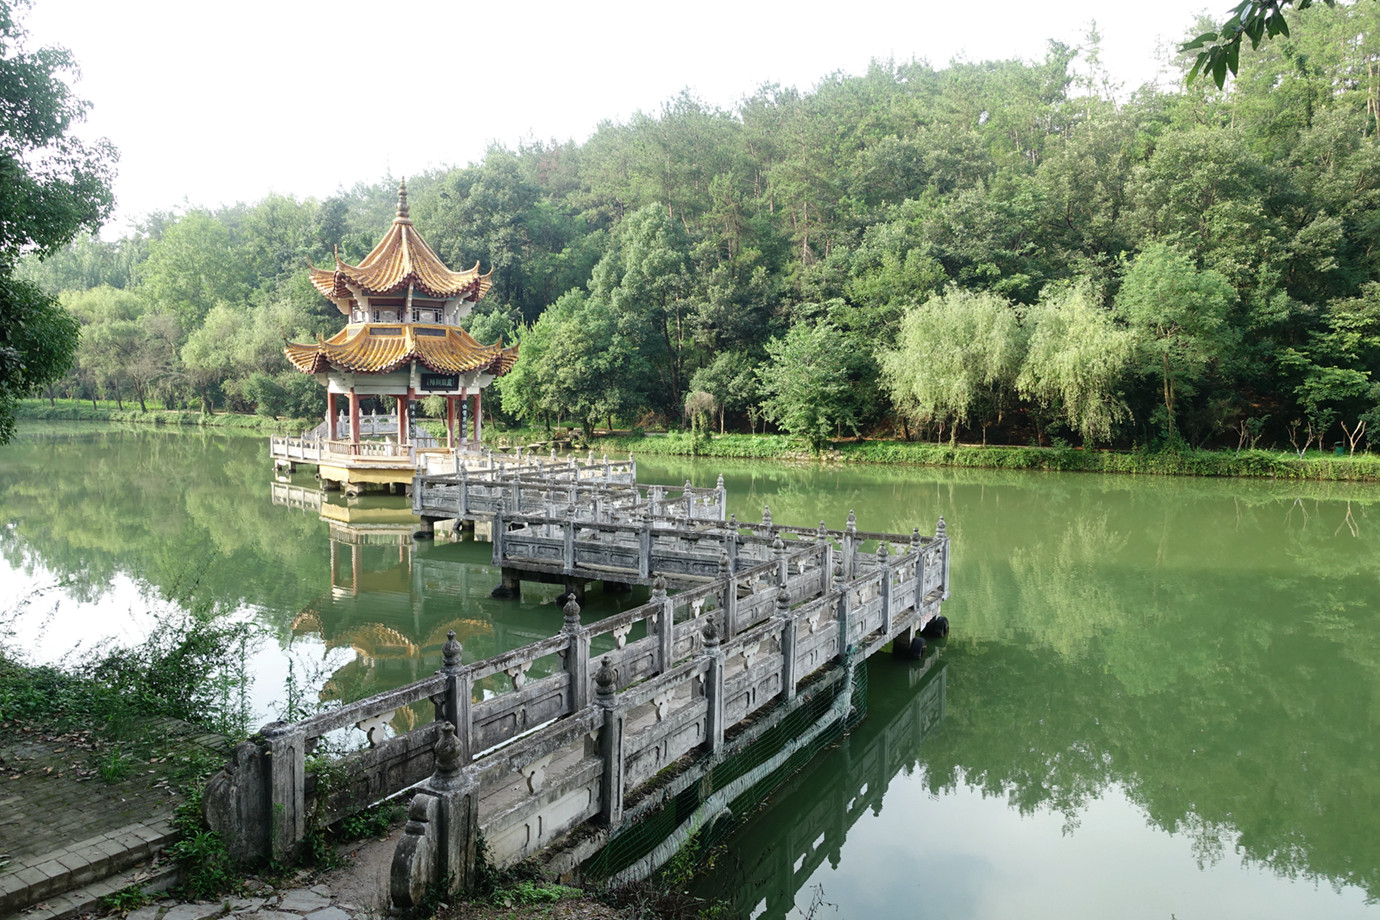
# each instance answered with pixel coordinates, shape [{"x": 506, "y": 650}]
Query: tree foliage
[
  {"x": 1231, "y": 230},
  {"x": 52, "y": 186},
  {"x": 1077, "y": 361},
  {"x": 956, "y": 360}
]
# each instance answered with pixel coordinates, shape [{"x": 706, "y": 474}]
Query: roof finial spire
[{"x": 402, "y": 198}]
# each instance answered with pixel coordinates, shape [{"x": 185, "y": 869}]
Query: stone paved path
[{"x": 63, "y": 825}]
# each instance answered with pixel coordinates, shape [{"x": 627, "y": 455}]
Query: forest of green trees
[{"x": 1002, "y": 251}]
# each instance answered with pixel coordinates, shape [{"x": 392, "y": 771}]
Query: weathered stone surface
[
  {"x": 194, "y": 911},
  {"x": 150, "y": 912},
  {"x": 328, "y": 913},
  {"x": 243, "y": 905},
  {"x": 303, "y": 901}
]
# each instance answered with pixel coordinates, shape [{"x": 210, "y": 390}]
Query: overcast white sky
[{"x": 222, "y": 102}]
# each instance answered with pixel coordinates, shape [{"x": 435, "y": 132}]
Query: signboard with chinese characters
[{"x": 442, "y": 382}]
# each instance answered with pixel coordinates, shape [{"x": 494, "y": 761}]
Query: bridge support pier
[{"x": 511, "y": 586}]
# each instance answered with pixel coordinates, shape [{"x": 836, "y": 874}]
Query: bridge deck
[{"x": 571, "y": 728}]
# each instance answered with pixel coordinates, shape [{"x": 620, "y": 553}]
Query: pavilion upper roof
[
  {"x": 380, "y": 348},
  {"x": 400, "y": 259}
]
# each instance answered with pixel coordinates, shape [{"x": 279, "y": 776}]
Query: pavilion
[{"x": 402, "y": 341}]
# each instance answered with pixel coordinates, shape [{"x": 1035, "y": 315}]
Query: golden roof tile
[
  {"x": 400, "y": 259},
  {"x": 380, "y": 348}
]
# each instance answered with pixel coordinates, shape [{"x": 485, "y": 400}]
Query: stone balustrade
[{"x": 571, "y": 728}]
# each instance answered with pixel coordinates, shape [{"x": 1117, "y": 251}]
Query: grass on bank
[
  {"x": 72, "y": 410},
  {"x": 1173, "y": 461},
  {"x": 1183, "y": 461}
]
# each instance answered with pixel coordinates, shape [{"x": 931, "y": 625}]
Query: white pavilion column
[{"x": 464, "y": 397}]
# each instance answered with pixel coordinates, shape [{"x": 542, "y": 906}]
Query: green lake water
[{"x": 1160, "y": 697}]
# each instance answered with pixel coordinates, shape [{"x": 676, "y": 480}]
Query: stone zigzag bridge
[{"x": 567, "y": 743}]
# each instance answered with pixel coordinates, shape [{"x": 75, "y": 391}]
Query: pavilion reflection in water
[{"x": 393, "y": 600}]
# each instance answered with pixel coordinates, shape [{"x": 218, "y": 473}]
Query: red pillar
[
  {"x": 402, "y": 419},
  {"x": 450, "y": 422},
  {"x": 354, "y": 417},
  {"x": 331, "y": 412}
]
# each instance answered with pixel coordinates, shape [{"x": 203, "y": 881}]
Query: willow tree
[
  {"x": 1076, "y": 360},
  {"x": 956, "y": 359}
]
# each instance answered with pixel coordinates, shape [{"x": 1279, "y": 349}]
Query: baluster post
[
  {"x": 730, "y": 603},
  {"x": 844, "y": 614},
  {"x": 850, "y": 545},
  {"x": 287, "y": 795},
  {"x": 713, "y": 687},
  {"x": 610, "y": 745},
  {"x": 455, "y": 701},
  {"x": 778, "y": 548},
  {"x": 576, "y": 656},
  {"x": 884, "y": 566},
  {"x": 463, "y": 503},
  {"x": 665, "y": 625},
  {"x": 644, "y": 549},
  {"x": 790, "y": 631},
  {"x": 568, "y": 533},
  {"x": 941, "y": 534}
]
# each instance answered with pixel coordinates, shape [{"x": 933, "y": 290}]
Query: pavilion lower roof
[{"x": 381, "y": 348}]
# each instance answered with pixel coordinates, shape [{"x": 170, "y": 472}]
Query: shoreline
[
  {"x": 1244, "y": 464},
  {"x": 1225, "y": 463}
]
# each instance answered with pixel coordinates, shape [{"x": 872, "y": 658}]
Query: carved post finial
[
  {"x": 720, "y": 483},
  {"x": 766, "y": 515},
  {"x": 451, "y": 652},
  {"x": 915, "y": 542},
  {"x": 939, "y": 530},
  {"x": 733, "y": 522},
  {"x": 783, "y": 601},
  {"x": 572, "y": 614},
  {"x": 852, "y": 524},
  {"x": 605, "y": 680},
  {"x": 723, "y": 564},
  {"x": 711, "y": 634},
  {"x": 659, "y": 587},
  {"x": 838, "y": 573},
  {"x": 778, "y": 547},
  {"x": 882, "y": 552},
  {"x": 447, "y": 754},
  {"x": 402, "y": 199}
]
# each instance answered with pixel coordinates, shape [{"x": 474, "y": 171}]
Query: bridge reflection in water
[
  {"x": 392, "y": 600},
  {"x": 774, "y": 852}
]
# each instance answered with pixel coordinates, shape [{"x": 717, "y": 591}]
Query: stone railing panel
[
  {"x": 358, "y": 780},
  {"x": 507, "y": 716},
  {"x": 664, "y": 741}
]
